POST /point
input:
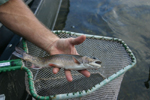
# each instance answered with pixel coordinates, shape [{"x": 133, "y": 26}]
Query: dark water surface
[{"x": 125, "y": 19}]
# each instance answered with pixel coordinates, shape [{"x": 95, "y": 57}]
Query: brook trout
[{"x": 66, "y": 61}]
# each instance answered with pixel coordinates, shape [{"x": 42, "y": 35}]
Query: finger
[
  {"x": 55, "y": 70},
  {"x": 85, "y": 73},
  {"x": 78, "y": 40},
  {"x": 68, "y": 75}
]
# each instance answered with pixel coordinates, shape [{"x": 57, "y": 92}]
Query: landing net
[{"x": 103, "y": 84}]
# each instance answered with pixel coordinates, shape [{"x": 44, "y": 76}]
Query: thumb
[{"x": 78, "y": 40}]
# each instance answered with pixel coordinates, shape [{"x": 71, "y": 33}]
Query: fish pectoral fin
[
  {"x": 75, "y": 60},
  {"x": 54, "y": 65}
]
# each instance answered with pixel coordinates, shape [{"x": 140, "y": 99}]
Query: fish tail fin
[
  {"x": 17, "y": 54},
  {"x": 20, "y": 53}
]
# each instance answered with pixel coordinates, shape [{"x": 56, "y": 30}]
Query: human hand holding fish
[{"x": 67, "y": 46}]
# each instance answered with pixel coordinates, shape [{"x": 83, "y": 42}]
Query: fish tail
[
  {"x": 17, "y": 54},
  {"x": 20, "y": 53}
]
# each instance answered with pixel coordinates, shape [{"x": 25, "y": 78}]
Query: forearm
[{"x": 17, "y": 16}]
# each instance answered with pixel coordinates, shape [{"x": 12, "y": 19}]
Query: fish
[{"x": 66, "y": 61}]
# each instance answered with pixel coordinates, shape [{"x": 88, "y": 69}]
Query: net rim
[{"x": 80, "y": 93}]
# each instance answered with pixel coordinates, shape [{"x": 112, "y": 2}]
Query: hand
[{"x": 67, "y": 46}]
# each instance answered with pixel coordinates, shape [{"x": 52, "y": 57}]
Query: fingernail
[
  {"x": 55, "y": 71},
  {"x": 70, "y": 80},
  {"x": 88, "y": 75}
]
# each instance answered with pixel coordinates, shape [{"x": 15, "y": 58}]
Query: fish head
[{"x": 91, "y": 63}]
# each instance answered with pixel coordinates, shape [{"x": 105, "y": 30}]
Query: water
[{"x": 125, "y": 19}]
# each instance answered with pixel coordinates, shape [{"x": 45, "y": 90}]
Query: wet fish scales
[{"x": 73, "y": 62}]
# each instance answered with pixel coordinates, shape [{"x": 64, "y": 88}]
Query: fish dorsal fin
[{"x": 75, "y": 60}]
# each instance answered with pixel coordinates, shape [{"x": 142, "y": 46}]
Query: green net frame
[{"x": 17, "y": 64}]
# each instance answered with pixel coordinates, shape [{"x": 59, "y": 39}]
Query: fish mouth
[{"x": 96, "y": 64}]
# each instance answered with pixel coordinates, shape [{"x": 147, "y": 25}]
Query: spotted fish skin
[{"x": 66, "y": 61}]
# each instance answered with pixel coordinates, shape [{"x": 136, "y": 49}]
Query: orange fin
[
  {"x": 75, "y": 60},
  {"x": 53, "y": 65}
]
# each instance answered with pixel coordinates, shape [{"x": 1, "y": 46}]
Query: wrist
[{"x": 50, "y": 43}]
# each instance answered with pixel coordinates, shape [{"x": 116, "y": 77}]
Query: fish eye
[
  {"x": 98, "y": 62},
  {"x": 93, "y": 57}
]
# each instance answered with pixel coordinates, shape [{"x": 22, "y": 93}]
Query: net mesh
[{"x": 113, "y": 56}]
